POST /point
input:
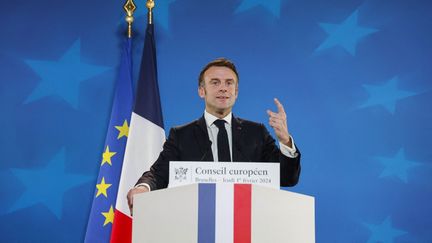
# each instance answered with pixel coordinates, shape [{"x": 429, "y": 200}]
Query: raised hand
[{"x": 278, "y": 121}]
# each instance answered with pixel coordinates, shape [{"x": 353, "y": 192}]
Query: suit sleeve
[
  {"x": 289, "y": 167},
  {"x": 158, "y": 175}
]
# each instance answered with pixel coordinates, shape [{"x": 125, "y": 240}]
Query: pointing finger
[{"x": 279, "y": 105}]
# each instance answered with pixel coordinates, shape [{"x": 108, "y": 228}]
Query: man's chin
[
  {"x": 222, "y": 110},
  {"x": 224, "y": 104}
]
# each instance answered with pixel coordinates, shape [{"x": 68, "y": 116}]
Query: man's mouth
[{"x": 222, "y": 97}]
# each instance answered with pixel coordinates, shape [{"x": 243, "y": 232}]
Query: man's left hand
[{"x": 278, "y": 121}]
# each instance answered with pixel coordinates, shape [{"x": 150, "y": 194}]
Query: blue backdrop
[{"x": 354, "y": 77}]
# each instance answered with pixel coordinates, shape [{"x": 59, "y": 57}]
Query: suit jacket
[{"x": 251, "y": 142}]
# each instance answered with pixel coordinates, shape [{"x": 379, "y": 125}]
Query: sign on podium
[{"x": 191, "y": 172}]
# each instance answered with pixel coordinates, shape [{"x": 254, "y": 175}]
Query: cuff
[
  {"x": 144, "y": 185},
  {"x": 287, "y": 151}
]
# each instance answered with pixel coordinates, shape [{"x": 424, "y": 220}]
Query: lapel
[
  {"x": 201, "y": 135},
  {"x": 237, "y": 138}
]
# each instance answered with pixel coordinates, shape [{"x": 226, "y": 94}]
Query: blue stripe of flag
[
  {"x": 147, "y": 103},
  {"x": 206, "y": 213}
]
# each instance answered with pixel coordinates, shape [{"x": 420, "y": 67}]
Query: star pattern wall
[
  {"x": 273, "y": 6},
  {"x": 346, "y": 34},
  {"x": 385, "y": 95},
  {"x": 384, "y": 232},
  {"x": 47, "y": 185},
  {"x": 353, "y": 75},
  {"x": 62, "y": 78}
]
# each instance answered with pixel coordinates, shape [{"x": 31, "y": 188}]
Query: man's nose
[{"x": 223, "y": 86}]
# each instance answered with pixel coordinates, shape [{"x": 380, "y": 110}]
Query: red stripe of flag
[
  {"x": 242, "y": 213},
  {"x": 122, "y": 228}
]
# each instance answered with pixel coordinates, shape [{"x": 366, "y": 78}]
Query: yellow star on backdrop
[
  {"x": 106, "y": 156},
  {"x": 109, "y": 216},
  {"x": 123, "y": 130},
  {"x": 102, "y": 188}
]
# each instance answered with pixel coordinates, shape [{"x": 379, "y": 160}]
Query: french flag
[{"x": 145, "y": 140}]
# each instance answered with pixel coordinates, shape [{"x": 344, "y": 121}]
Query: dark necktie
[{"x": 222, "y": 142}]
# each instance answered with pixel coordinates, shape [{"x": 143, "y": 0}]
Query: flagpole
[
  {"x": 129, "y": 8},
  {"x": 150, "y": 5}
]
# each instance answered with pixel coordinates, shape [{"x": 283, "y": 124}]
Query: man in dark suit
[{"x": 219, "y": 136}]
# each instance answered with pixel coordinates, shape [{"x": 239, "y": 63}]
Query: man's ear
[{"x": 201, "y": 91}]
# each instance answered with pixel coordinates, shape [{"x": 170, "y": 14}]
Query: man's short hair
[{"x": 219, "y": 62}]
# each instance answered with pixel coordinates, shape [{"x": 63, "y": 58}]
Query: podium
[{"x": 205, "y": 213}]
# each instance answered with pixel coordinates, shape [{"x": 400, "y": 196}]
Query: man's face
[{"x": 220, "y": 90}]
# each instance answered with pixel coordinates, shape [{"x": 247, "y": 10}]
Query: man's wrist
[
  {"x": 145, "y": 185},
  {"x": 288, "y": 142},
  {"x": 289, "y": 151}
]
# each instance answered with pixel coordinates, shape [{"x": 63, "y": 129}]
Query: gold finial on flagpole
[
  {"x": 150, "y": 5},
  {"x": 129, "y": 7}
]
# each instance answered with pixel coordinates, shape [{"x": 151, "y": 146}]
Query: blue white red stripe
[{"x": 224, "y": 213}]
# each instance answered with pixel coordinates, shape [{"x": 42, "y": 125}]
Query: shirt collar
[{"x": 209, "y": 118}]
